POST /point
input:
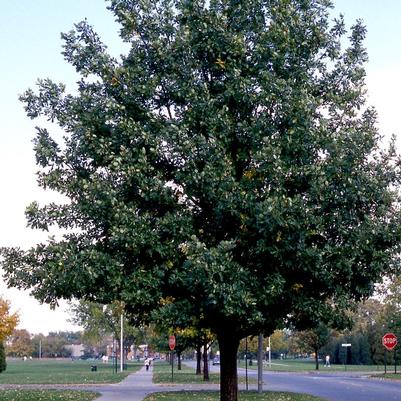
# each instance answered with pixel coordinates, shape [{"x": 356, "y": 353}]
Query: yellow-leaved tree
[{"x": 8, "y": 321}]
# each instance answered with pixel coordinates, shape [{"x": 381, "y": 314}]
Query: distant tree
[
  {"x": 227, "y": 166},
  {"x": 279, "y": 343},
  {"x": 97, "y": 320},
  {"x": 313, "y": 340},
  {"x": 371, "y": 321},
  {"x": 392, "y": 302},
  {"x": 54, "y": 345},
  {"x": 20, "y": 344},
  {"x": 103, "y": 321},
  {"x": 37, "y": 341},
  {"x": 8, "y": 321}
]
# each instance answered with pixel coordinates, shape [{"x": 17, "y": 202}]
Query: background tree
[
  {"x": 371, "y": 322},
  {"x": 201, "y": 340},
  {"x": 392, "y": 302},
  {"x": 278, "y": 343},
  {"x": 38, "y": 341},
  {"x": 54, "y": 346},
  {"x": 20, "y": 344},
  {"x": 103, "y": 321},
  {"x": 227, "y": 167},
  {"x": 313, "y": 340},
  {"x": 8, "y": 321}
]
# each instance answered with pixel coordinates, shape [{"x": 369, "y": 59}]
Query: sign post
[
  {"x": 345, "y": 354},
  {"x": 171, "y": 344},
  {"x": 389, "y": 341},
  {"x": 246, "y": 362}
]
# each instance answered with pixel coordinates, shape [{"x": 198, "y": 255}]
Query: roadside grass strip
[
  {"x": 391, "y": 376},
  {"x": 187, "y": 375},
  {"x": 308, "y": 365},
  {"x": 47, "y": 395},
  {"x": 62, "y": 372},
  {"x": 242, "y": 396}
]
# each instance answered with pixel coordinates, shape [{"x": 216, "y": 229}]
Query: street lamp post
[{"x": 122, "y": 343}]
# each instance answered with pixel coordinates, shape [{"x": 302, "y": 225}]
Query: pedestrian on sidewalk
[
  {"x": 327, "y": 364},
  {"x": 147, "y": 363}
]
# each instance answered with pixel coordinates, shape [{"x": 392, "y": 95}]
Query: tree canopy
[
  {"x": 8, "y": 320},
  {"x": 226, "y": 171}
]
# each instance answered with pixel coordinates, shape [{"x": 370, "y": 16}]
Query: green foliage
[
  {"x": 279, "y": 343},
  {"x": 3, "y": 363},
  {"x": 372, "y": 319},
  {"x": 20, "y": 344},
  {"x": 100, "y": 321},
  {"x": 314, "y": 339},
  {"x": 226, "y": 173},
  {"x": 227, "y": 165}
]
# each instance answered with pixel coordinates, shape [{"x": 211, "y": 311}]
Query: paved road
[
  {"x": 332, "y": 387},
  {"x": 346, "y": 386}
]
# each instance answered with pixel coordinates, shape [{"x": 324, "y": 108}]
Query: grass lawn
[
  {"x": 49, "y": 371},
  {"x": 306, "y": 365},
  {"x": 243, "y": 396},
  {"x": 46, "y": 395},
  {"x": 389, "y": 375},
  {"x": 162, "y": 374}
]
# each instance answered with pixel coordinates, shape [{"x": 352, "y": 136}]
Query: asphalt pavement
[
  {"x": 332, "y": 386},
  {"x": 346, "y": 386}
]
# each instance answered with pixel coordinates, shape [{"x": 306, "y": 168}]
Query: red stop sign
[
  {"x": 389, "y": 340},
  {"x": 171, "y": 342}
]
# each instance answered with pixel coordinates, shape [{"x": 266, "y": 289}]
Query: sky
[{"x": 30, "y": 47}]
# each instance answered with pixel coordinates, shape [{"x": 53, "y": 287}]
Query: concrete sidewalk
[
  {"x": 138, "y": 385},
  {"x": 134, "y": 387}
]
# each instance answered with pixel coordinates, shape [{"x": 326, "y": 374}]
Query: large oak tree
[{"x": 226, "y": 170}]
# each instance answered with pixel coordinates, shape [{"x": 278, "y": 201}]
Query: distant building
[{"x": 77, "y": 350}]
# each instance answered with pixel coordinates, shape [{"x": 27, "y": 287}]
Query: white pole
[
  {"x": 270, "y": 354},
  {"x": 122, "y": 344}
]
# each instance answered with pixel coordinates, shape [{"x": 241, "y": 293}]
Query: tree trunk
[
  {"x": 198, "y": 359},
  {"x": 178, "y": 360},
  {"x": 316, "y": 359},
  {"x": 205, "y": 363},
  {"x": 228, "y": 367}
]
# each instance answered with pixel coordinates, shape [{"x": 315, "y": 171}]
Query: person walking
[
  {"x": 147, "y": 363},
  {"x": 327, "y": 363}
]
